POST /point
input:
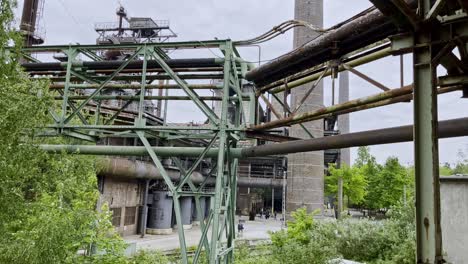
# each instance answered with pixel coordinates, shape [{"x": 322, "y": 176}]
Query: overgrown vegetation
[
  {"x": 370, "y": 185},
  {"x": 48, "y": 201}
]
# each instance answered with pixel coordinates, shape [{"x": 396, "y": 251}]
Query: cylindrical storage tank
[
  {"x": 186, "y": 211},
  {"x": 195, "y": 219},
  {"x": 208, "y": 205},
  {"x": 160, "y": 214}
]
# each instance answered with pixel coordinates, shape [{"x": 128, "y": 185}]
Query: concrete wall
[
  {"x": 124, "y": 197},
  {"x": 454, "y": 211},
  {"x": 306, "y": 170}
]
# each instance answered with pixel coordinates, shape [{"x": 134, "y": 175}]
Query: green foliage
[
  {"x": 300, "y": 243},
  {"x": 301, "y": 223},
  {"x": 445, "y": 170},
  {"x": 462, "y": 164},
  {"x": 387, "y": 241},
  {"x": 392, "y": 180},
  {"x": 149, "y": 257},
  {"x": 354, "y": 182},
  {"x": 364, "y": 157},
  {"x": 48, "y": 201}
]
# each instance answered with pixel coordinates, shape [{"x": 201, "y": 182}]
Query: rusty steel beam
[
  {"x": 365, "y": 55},
  {"x": 400, "y": 99},
  {"x": 308, "y": 116},
  {"x": 269, "y": 136}
]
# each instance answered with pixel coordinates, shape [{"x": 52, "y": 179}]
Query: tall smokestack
[
  {"x": 305, "y": 182},
  {"x": 28, "y": 23}
]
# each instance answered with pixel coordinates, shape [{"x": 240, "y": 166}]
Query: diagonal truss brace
[
  {"x": 175, "y": 194},
  {"x": 183, "y": 84},
  {"x": 98, "y": 90}
]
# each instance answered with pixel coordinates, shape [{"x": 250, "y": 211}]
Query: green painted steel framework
[
  {"x": 82, "y": 115},
  {"x": 430, "y": 34}
]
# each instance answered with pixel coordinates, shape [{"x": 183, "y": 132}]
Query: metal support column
[{"x": 428, "y": 230}]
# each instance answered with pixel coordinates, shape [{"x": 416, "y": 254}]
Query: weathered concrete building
[{"x": 454, "y": 212}]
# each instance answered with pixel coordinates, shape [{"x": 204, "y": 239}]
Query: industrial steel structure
[{"x": 431, "y": 30}]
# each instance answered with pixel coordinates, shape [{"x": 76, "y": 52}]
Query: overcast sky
[{"x": 67, "y": 21}]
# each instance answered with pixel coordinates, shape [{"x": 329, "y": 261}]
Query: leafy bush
[
  {"x": 149, "y": 257},
  {"x": 302, "y": 243}
]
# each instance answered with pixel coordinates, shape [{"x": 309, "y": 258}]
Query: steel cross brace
[
  {"x": 184, "y": 85},
  {"x": 186, "y": 179},
  {"x": 98, "y": 90},
  {"x": 175, "y": 194},
  {"x": 289, "y": 111}
]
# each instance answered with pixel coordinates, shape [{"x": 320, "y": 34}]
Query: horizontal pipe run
[
  {"x": 138, "y": 77},
  {"x": 280, "y": 86},
  {"x": 394, "y": 100},
  {"x": 448, "y": 128},
  {"x": 63, "y": 72},
  {"x": 134, "y": 151},
  {"x": 304, "y": 117},
  {"x": 122, "y": 168},
  {"x": 177, "y": 126},
  {"x": 148, "y": 97},
  {"x": 134, "y": 86},
  {"x": 362, "y": 30},
  {"x": 136, "y": 64}
]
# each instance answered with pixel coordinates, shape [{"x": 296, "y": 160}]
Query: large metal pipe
[
  {"x": 283, "y": 85},
  {"x": 136, "y": 64},
  {"x": 448, "y": 128},
  {"x": 147, "y": 97},
  {"x": 366, "y": 28},
  {"x": 122, "y": 168},
  {"x": 133, "y": 86}
]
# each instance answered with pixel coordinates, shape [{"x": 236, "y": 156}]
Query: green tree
[
  {"x": 388, "y": 186},
  {"x": 445, "y": 169},
  {"x": 354, "y": 183},
  {"x": 462, "y": 164},
  {"x": 48, "y": 202},
  {"x": 364, "y": 157}
]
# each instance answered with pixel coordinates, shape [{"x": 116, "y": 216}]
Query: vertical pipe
[
  {"x": 402, "y": 72},
  {"x": 141, "y": 103},
  {"x": 159, "y": 103},
  {"x": 165, "y": 105},
  {"x": 273, "y": 192},
  {"x": 144, "y": 216},
  {"x": 283, "y": 202}
]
